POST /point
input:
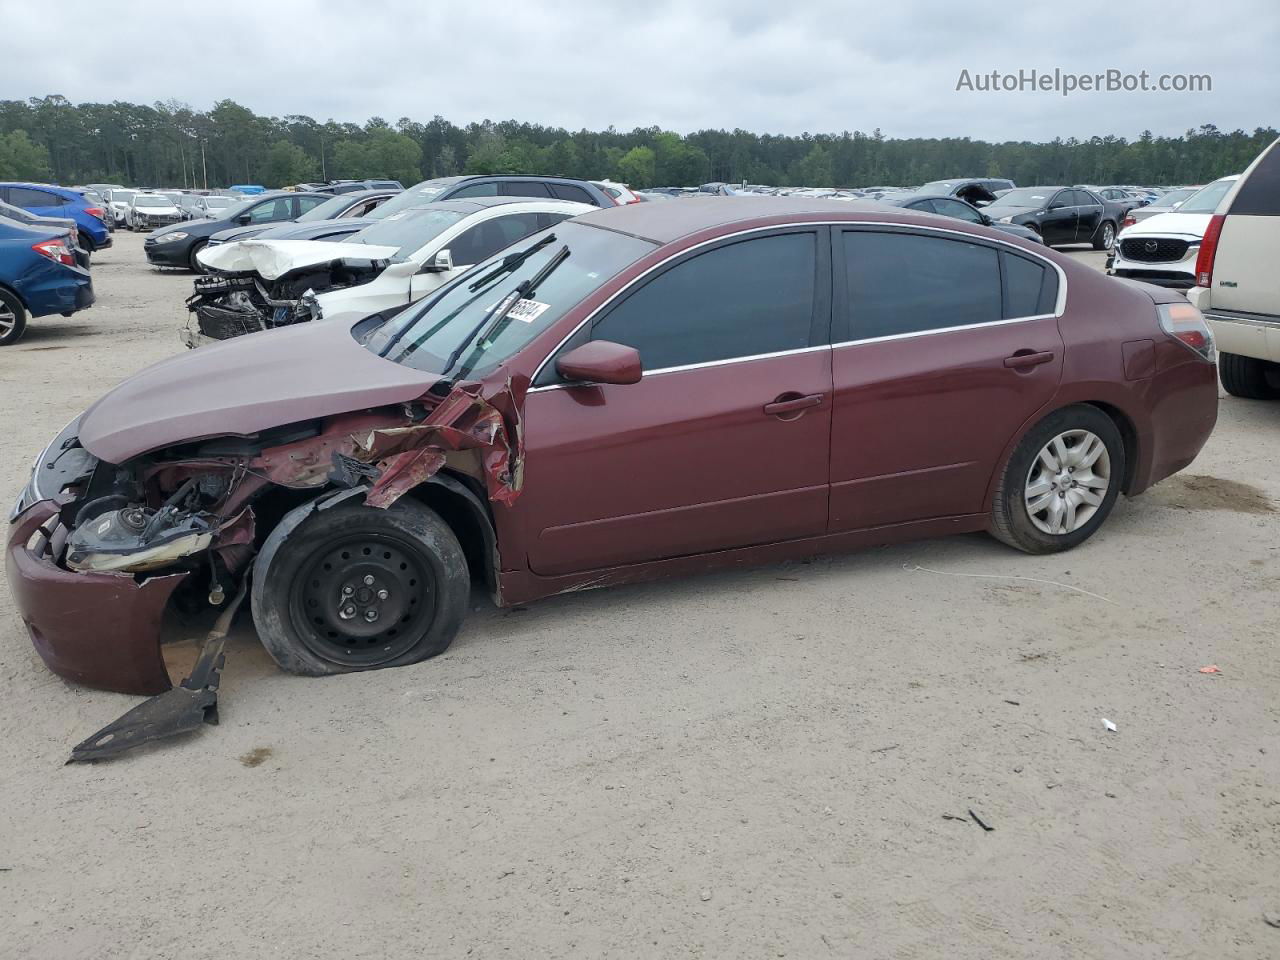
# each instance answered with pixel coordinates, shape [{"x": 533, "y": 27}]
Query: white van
[{"x": 1238, "y": 280}]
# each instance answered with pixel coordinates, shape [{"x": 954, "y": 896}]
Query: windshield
[
  {"x": 122, "y": 196},
  {"x": 1206, "y": 200},
  {"x": 415, "y": 196},
  {"x": 145, "y": 201},
  {"x": 425, "y": 337},
  {"x": 327, "y": 210},
  {"x": 1023, "y": 197},
  {"x": 1173, "y": 196},
  {"x": 218, "y": 203},
  {"x": 408, "y": 230}
]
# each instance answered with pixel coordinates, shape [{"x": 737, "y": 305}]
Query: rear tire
[
  {"x": 13, "y": 319},
  {"x": 1060, "y": 483},
  {"x": 1106, "y": 236},
  {"x": 86, "y": 242},
  {"x": 1249, "y": 377},
  {"x": 353, "y": 588}
]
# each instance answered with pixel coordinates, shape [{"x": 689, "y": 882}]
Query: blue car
[
  {"x": 38, "y": 276},
  {"x": 50, "y": 201}
]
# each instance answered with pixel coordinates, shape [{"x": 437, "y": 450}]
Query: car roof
[{"x": 665, "y": 222}]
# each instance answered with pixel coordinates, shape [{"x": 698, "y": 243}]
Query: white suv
[
  {"x": 1238, "y": 280},
  {"x": 1163, "y": 249}
]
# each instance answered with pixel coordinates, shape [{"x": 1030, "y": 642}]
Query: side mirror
[
  {"x": 986, "y": 221},
  {"x": 601, "y": 361},
  {"x": 243, "y": 219},
  {"x": 442, "y": 262}
]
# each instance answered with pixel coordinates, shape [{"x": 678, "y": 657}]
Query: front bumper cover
[{"x": 102, "y": 630}]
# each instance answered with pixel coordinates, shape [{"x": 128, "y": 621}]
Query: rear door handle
[
  {"x": 793, "y": 404},
  {"x": 1027, "y": 358}
]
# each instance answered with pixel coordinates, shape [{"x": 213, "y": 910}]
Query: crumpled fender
[{"x": 406, "y": 452}]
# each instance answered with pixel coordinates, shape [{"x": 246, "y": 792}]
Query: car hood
[
  {"x": 243, "y": 386},
  {"x": 237, "y": 233},
  {"x": 995, "y": 213},
  {"x": 272, "y": 259},
  {"x": 1164, "y": 224},
  {"x": 184, "y": 226},
  {"x": 157, "y": 211}
]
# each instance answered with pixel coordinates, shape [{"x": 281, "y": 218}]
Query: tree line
[{"x": 170, "y": 144}]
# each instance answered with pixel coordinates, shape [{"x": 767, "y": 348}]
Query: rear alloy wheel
[
  {"x": 1061, "y": 482},
  {"x": 1106, "y": 237},
  {"x": 1249, "y": 377},
  {"x": 13, "y": 319},
  {"x": 356, "y": 588}
]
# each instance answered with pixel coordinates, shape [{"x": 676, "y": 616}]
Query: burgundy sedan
[{"x": 655, "y": 389}]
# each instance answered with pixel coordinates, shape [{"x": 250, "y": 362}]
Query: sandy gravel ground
[{"x": 755, "y": 764}]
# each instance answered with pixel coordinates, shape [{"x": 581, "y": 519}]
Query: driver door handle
[{"x": 780, "y": 408}]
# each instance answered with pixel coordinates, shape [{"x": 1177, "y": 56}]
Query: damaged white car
[{"x": 257, "y": 285}]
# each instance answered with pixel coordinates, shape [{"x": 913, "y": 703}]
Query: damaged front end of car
[
  {"x": 257, "y": 285},
  {"x": 98, "y": 552}
]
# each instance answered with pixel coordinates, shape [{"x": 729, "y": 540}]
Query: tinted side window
[
  {"x": 1061, "y": 198},
  {"x": 923, "y": 206},
  {"x": 475, "y": 190},
  {"x": 905, "y": 283},
  {"x": 1030, "y": 287},
  {"x": 1082, "y": 198},
  {"x": 1259, "y": 195},
  {"x": 277, "y": 209},
  {"x": 306, "y": 203},
  {"x": 26, "y": 197},
  {"x": 525, "y": 188},
  {"x": 487, "y": 238},
  {"x": 748, "y": 298},
  {"x": 954, "y": 208},
  {"x": 567, "y": 191}
]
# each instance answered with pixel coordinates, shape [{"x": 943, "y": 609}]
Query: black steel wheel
[
  {"x": 362, "y": 601},
  {"x": 352, "y": 587}
]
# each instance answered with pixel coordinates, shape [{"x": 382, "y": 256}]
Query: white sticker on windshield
[{"x": 527, "y": 310}]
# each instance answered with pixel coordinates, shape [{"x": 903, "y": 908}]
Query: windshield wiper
[
  {"x": 510, "y": 262},
  {"x": 483, "y": 330}
]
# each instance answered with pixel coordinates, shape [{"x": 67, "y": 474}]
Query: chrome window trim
[{"x": 1060, "y": 305}]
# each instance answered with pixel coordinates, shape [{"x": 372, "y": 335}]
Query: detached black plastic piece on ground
[{"x": 180, "y": 710}]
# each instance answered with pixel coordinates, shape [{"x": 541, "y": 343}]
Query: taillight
[
  {"x": 1186, "y": 324},
  {"x": 94, "y": 212},
  {"x": 1208, "y": 250},
  {"x": 1128, "y": 221},
  {"x": 55, "y": 250}
]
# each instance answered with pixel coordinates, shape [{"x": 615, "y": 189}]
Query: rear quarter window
[{"x": 1259, "y": 195}]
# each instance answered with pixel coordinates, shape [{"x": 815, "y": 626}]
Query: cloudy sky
[{"x": 780, "y": 67}]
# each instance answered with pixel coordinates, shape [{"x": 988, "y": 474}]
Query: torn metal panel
[{"x": 409, "y": 449}]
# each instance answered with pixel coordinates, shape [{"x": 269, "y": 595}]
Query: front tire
[
  {"x": 1060, "y": 483},
  {"x": 13, "y": 319},
  {"x": 1249, "y": 377},
  {"x": 1106, "y": 237},
  {"x": 191, "y": 258},
  {"x": 353, "y": 588}
]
